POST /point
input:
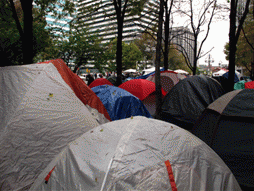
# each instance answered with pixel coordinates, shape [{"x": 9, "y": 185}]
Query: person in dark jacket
[{"x": 89, "y": 79}]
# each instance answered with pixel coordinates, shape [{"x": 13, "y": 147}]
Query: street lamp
[{"x": 209, "y": 60}]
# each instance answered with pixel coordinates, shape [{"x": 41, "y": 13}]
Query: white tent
[
  {"x": 40, "y": 115},
  {"x": 130, "y": 70},
  {"x": 149, "y": 70},
  {"x": 181, "y": 71},
  {"x": 137, "y": 154},
  {"x": 219, "y": 73}
]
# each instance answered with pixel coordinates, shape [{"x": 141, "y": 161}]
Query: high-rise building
[
  {"x": 104, "y": 22},
  {"x": 183, "y": 39}
]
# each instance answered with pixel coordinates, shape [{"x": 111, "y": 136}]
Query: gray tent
[
  {"x": 186, "y": 101},
  {"x": 227, "y": 126}
]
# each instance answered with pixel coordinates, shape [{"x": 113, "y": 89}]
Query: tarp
[
  {"x": 137, "y": 154},
  {"x": 168, "y": 79},
  {"x": 119, "y": 103},
  {"x": 180, "y": 71},
  {"x": 237, "y": 76},
  {"x": 186, "y": 101},
  {"x": 249, "y": 85},
  {"x": 140, "y": 88},
  {"x": 40, "y": 114},
  {"x": 227, "y": 126},
  {"x": 219, "y": 73},
  {"x": 147, "y": 75},
  {"x": 100, "y": 81},
  {"x": 130, "y": 70},
  {"x": 239, "y": 85}
]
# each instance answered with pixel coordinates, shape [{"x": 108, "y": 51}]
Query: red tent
[
  {"x": 85, "y": 94},
  {"x": 100, "y": 81},
  {"x": 249, "y": 85},
  {"x": 140, "y": 88}
]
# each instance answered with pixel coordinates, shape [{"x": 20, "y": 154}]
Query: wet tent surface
[
  {"x": 119, "y": 103},
  {"x": 186, "y": 101}
]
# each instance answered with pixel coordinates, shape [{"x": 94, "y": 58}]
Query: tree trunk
[
  {"x": 195, "y": 55},
  {"x": 166, "y": 37},
  {"x": 232, "y": 47},
  {"x": 119, "y": 51},
  {"x": 27, "y": 40},
  {"x": 158, "y": 94}
]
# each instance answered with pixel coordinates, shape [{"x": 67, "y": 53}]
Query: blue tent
[
  {"x": 147, "y": 75},
  {"x": 119, "y": 103},
  {"x": 236, "y": 79}
]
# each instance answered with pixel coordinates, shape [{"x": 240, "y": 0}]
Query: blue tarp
[
  {"x": 119, "y": 103},
  {"x": 147, "y": 75}
]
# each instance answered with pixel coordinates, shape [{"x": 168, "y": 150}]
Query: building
[
  {"x": 102, "y": 19},
  {"x": 183, "y": 39}
]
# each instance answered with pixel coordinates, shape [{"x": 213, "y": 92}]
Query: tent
[
  {"x": 130, "y": 70},
  {"x": 148, "y": 72},
  {"x": 119, "y": 103},
  {"x": 239, "y": 85},
  {"x": 227, "y": 126},
  {"x": 237, "y": 76},
  {"x": 249, "y": 85},
  {"x": 42, "y": 110},
  {"x": 100, "y": 81},
  {"x": 168, "y": 79},
  {"x": 219, "y": 73},
  {"x": 145, "y": 91},
  {"x": 186, "y": 101},
  {"x": 181, "y": 71},
  {"x": 137, "y": 154},
  {"x": 140, "y": 88},
  {"x": 112, "y": 79}
]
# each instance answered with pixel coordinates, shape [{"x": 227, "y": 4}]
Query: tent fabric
[
  {"x": 140, "y": 88},
  {"x": 99, "y": 82},
  {"x": 119, "y": 103},
  {"x": 112, "y": 79},
  {"x": 237, "y": 76},
  {"x": 186, "y": 101},
  {"x": 40, "y": 115},
  {"x": 228, "y": 130},
  {"x": 219, "y": 73},
  {"x": 136, "y": 154},
  {"x": 168, "y": 79},
  {"x": 147, "y": 75},
  {"x": 85, "y": 94},
  {"x": 181, "y": 71},
  {"x": 249, "y": 85},
  {"x": 239, "y": 85}
]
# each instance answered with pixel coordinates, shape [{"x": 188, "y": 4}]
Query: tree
[
  {"x": 11, "y": 40},
  {"x": 158, "y": 94},
  {"x": 26, "y": 26},
  {"x": 234, "y": 34},
  {"x": 130, "y": 57},
  {"x": 199, "y": 17}
]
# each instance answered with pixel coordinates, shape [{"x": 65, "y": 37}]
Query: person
[
  {"x": 95, "y": 75},
  {"x": 89, "y": 79},
  {"x": 100, "y": 75}
]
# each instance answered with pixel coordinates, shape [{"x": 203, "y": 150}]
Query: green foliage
[
  {"x": 131, "y": 55},
  {"x": 10, "y": 39}
]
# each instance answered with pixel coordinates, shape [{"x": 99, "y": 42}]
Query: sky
[{"x": 217, "y": 38}]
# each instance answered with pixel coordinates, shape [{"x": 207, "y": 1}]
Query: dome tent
[
  {"x": 119, "y": 103},
  {"x": 99, "y": 82},
  {"x": 227, "y": 126},
  {"x": 137, "y": 154},
  {"x": 145, "y": 91},
  {"x": 41, "y": 113},
  {"x": 186, "y": 101},
  {"x": 168, "y": 79}
]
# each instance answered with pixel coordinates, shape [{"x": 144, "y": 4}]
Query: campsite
[{"x": 58, "y": 133}]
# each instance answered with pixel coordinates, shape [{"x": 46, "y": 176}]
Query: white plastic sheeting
[
  {"x": 130, "y": 154},
  {"x": 40, "y": 115}
]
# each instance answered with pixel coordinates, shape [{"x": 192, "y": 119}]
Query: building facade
[
  {"x": 183, "y": 39},
  {"x": 100, "y": 16}
]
